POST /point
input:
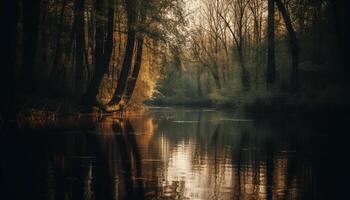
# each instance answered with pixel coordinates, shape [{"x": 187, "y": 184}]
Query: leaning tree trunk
[
  {"x": 131, "y": 83},
  {"x": 129, "y": 52},
  {"x": 271, "y": 64},
  {"x": 294, "y": 80},
  {"x": 135, "y": 73},
  {"x": 103, "y": 51}
]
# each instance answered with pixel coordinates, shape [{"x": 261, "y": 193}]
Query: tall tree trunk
[
  {"x": 108, "y": 46},
  {"x": 255, "y": 9},
  {"x": 271, "y": 64},
  {"x": 340, "y": 13},
  {"x": 91, "y": 35},
  {"x": 79, "y": 46},
  {"x": 294, "y": 80},
  {"x": 58, "y": 43},
  {"x": 44, "y": 39},
  {"x": 31, "y": 11},
  {"x": 316, "y": 29},
  {"x": 129, "y": 52},
  {"x": 103, "y": 51},
  {"x": 8, "y": 17},
  {"x": 52, "y": 79}
]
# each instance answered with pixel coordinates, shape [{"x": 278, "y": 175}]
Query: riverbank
[
  {"x": 255, "y": 104},
  {"x": 268, "y": 103}
]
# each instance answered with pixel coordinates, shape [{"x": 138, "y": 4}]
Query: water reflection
[{"x": 162, "y": 154}]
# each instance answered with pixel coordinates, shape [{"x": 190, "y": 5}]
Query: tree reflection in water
[{"x": 163, "y": 154}]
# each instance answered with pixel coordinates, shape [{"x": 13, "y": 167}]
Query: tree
[
  {"x": 256, "y": 8},
  {"x": 294, "y": 80},
  {"x": 271, "y": 65},
  {"x": 129, "y": 52},
  {"x": 8, "y": 16},
  {"x": 31, "y": 11},
  {"x": 131, "y": 83},
  {"x": 203, "y": 55},
  {"x": 79, "y": 45},
  {"x": 237, "y": 25},
  {"x": 135, "y": 73},
  {"x": 58, "y": 44},
  {"x": 103, "y": 50}
]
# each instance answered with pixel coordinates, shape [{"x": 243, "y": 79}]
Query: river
[{"x": 167, "y": 153}]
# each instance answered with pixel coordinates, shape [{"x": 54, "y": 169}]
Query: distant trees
[
  {"x": 223, "y": 20},
  {"x": 242, "y": 22},
  {"x": 225, "y": 27},
  {"x": 207, "y": 57},
  {"x": 274, "y": 44},
  {"x": 256, "y": 8},
  {"x": 238, "y": 14}
]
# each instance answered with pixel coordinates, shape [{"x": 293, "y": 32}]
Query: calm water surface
[{"x": 166, "y": 153}]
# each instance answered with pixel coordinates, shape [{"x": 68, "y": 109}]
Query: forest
[
  {"x": 174, "y": 99},
  {"x": 274, "y": 56}
]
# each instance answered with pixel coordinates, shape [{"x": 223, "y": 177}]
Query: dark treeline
[
  {"x": 85, "y": 51},
  {"x": 103, "y": 52}
]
